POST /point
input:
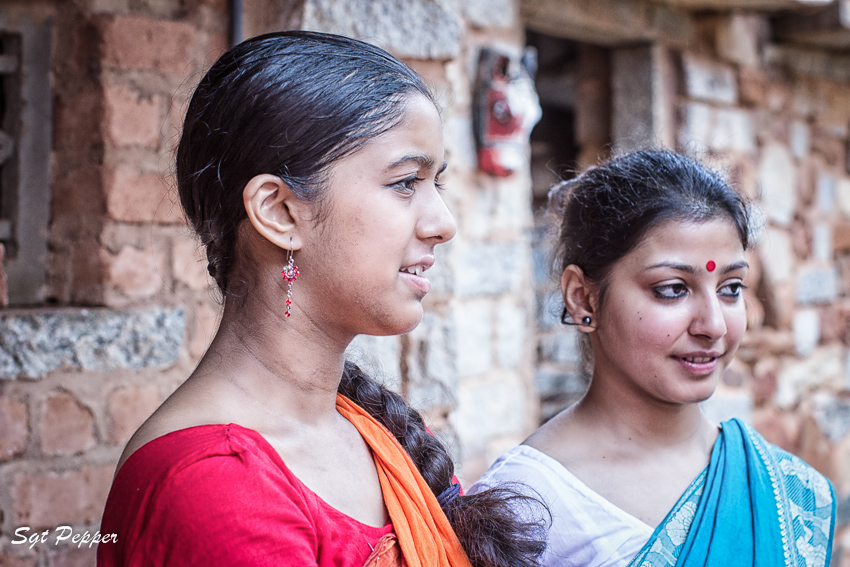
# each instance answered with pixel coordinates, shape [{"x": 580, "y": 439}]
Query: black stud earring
[{"x": 585, "y": 321}]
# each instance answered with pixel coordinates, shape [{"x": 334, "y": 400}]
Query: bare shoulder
[
  {"x": 560, "y": 438},
  {"x": 186, "y": 407}
]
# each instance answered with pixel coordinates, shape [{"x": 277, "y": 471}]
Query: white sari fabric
[{"x": 587, "y": 530}]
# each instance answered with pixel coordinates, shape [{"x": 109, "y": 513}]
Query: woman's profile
[
  {"x": 652, "y": 265},
  {"x": 309, "y": 167}
]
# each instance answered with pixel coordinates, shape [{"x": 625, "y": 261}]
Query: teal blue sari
[{"x": 755, "y": 505}]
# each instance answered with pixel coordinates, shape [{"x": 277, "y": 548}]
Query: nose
[
  {"x": 708, "y": 318},
  {"x": 436, "y": 222}
]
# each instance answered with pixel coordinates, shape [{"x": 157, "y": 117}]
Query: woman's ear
[
  {"x": 579, "y": 299},
  {"x": 273, "y": 210}
]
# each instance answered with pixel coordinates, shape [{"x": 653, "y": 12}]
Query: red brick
[
  {"x": 765, "y": 377},
  {"x": 66, "y": 426},
  {"x": 16, "y": 561},
  {"x": 189, "y": 262},
  {"x": 74, "y": 114},
  {"x": 88, "y": 272},
  {"x": 130, "y": 120},
  {"x": 136, "y": 273},
  {"x": 777, "y": 428},
  {"x": 143, "y": 43},
  {"x": 71, "y": 555},
  {"x": 141, "y": 197},
  {"x": 128, "y": 408},
  {"x": 841, "y": 237},
  {"x": 50, "y": 499},
  {"x": 13, "y": 427},
  {"x": 78, "y": 192}
]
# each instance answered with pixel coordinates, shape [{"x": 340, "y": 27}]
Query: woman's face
[
  {"x": 363, "y": 266},
  {"x": 673, "y": 313}
]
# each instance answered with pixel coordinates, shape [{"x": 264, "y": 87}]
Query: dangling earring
[{"x": 290, "y": 274}]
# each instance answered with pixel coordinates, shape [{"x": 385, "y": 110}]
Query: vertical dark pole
[{"x": 235, "y": 22}]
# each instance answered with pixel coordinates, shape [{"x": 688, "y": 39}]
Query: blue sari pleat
[{"x": 758, "y": 506}]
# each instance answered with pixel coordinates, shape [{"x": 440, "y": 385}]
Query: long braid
[{"x": 510, "y": 540}]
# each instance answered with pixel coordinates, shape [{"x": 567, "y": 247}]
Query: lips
[
  {"x": 413, "y": 274},
  {"x": 699, "y": 363}
]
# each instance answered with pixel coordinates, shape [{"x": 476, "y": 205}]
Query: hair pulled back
[
  {"x": 607, "y": 210},
  {"x": 290, "y": 104},
  {"x": 287, "y": 104}
]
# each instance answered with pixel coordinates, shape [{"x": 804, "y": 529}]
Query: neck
[
  {"x": 279, "y": 367},
  {"x": 638, "y": 422}
]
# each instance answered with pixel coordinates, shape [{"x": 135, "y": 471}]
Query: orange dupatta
[{"x": 424, "y": 534}]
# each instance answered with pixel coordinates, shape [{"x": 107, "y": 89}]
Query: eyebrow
[
  {"x": 422, "y": 160},
  {"x": 692, "y": 270}
]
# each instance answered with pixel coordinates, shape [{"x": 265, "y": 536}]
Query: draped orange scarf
[{"x": 424, "y": 534}]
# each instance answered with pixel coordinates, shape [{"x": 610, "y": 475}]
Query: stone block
[
  {"x": 800, "y": 138},
  {"x": 474, "y": 337},
  {"x": 817, "y": 285},
  {"x": 752, "y": 87},
  {"x": 131, "y": 42},
  {"x": 72, "y": 556},
  {"x": 824, "y": 367},
  {"x": 825, "y": 193},
  {"x": 50, "y": 499},
  {"x": 489, "y": 408},
  {"x": 380, "y": 357},
  {"x": 13, "y": 427},
  {"x": 778, "y": 184},
  {"x": 832, "y": 415},
  {"x": 66, "y": 425},
  {"x": 561, "y": 347},
  {"x": 779, "y": 428},
  {"x": 737, "y": 39},
  {"x": 765, "y": 375},
  {"x": 34, "y": 344},
  {"x": 132, "y": 196},
  {"x": 727, "y": 403},
  {"x": 806, "y": 329},
  {"x": 822, "y": 242},
  {"x": 189, "y": 264},
  {"x": 842, "y": 195},
  {"x": 135, "y": 273},
  {"x": 777, "y": 255},
  {"x": 127, "y": 408},
  {"x": 709, "y": 80},
  {"x": 719, "y": 129},
  {"x": 491, "y": 268},
  {"x": 432, "y": 363},
  {"x": 552, "y": 384},
  {"x": 549, "y": 308},
  {"x": 511, "y": 327},
  {"x": 490, "y": 13},
  {"x": 4, "y": 285},
  {"x": 419, "y": 29},
  {"x": 130, "y": 120}
]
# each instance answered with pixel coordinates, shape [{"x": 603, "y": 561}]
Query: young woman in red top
[{"x": 309, "y": 166}]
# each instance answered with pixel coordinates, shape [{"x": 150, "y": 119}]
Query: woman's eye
[
  {"x": 408, "y": 184},
  {"x": 732, "y": 289},
  {"x": 671, "y": 291}
]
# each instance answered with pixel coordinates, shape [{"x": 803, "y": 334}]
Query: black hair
[
  {"x": 290, "y": 104},
  {"x": 607, "y": 210}
]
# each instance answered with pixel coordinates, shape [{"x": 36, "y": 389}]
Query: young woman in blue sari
[{"x": 652, "y": 263}]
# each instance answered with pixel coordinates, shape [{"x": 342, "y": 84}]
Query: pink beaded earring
[{"x": 290, "y": 274}]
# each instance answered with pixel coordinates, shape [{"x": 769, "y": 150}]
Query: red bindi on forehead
[{"x": 710, "y": 266}]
